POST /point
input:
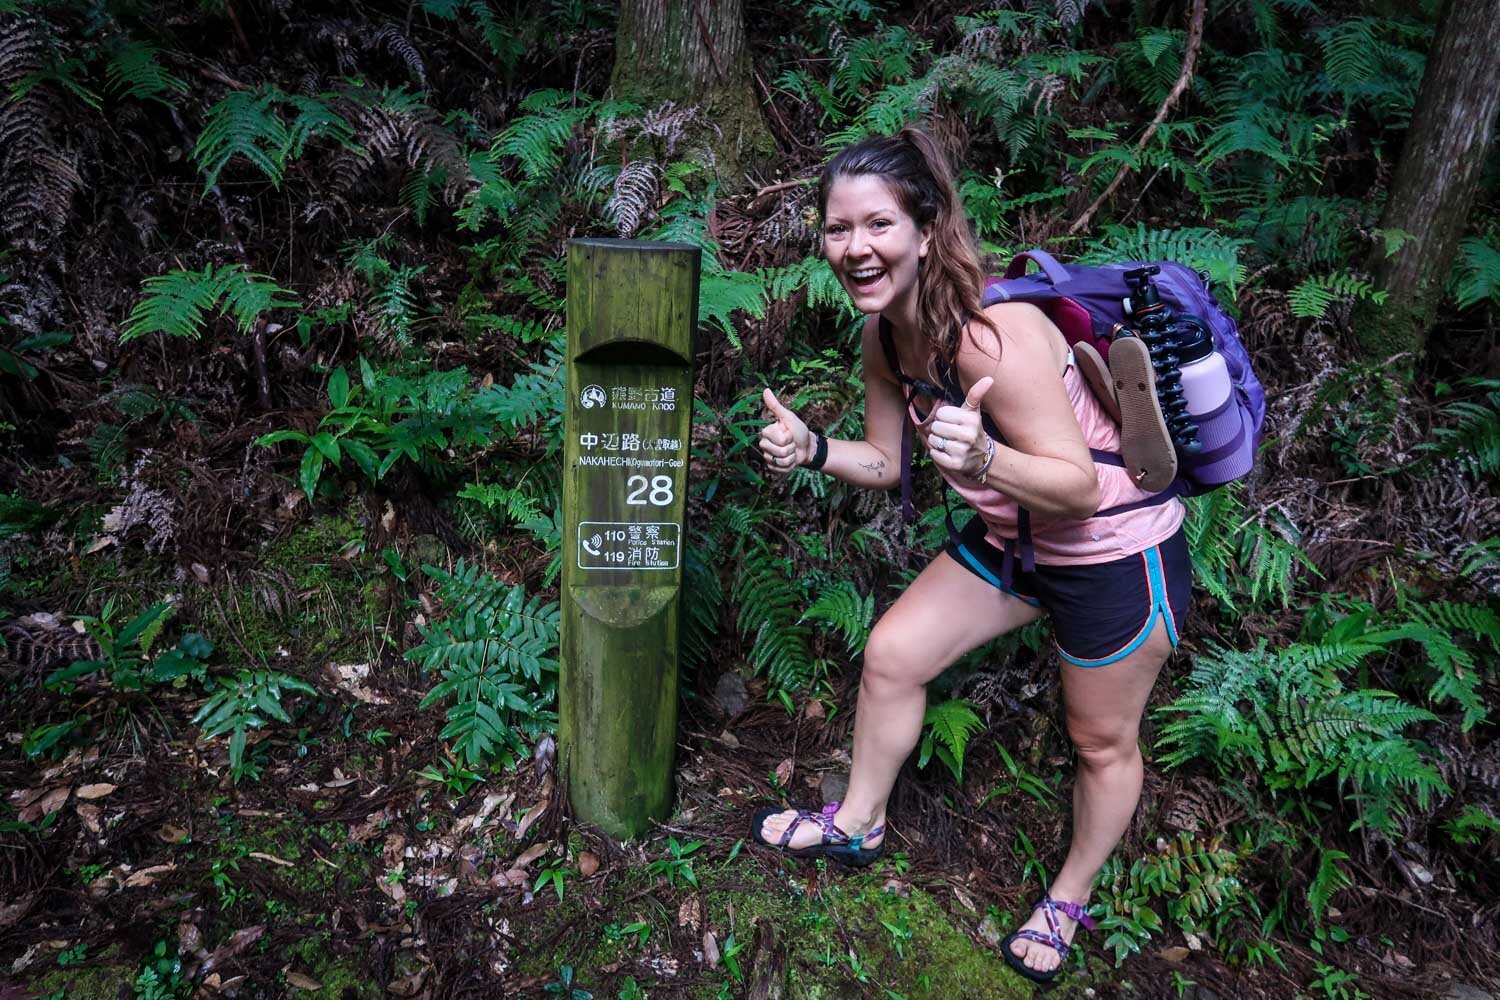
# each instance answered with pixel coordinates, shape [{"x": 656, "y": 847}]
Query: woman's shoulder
[{"x": 1018, "y": 329}]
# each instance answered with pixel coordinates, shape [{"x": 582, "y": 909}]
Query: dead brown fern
[{"x": 37, "y": 174}]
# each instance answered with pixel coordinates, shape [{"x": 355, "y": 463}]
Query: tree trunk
[
  {"x": 693, "y": 53},
  {"x": 1437, "y": 177}
]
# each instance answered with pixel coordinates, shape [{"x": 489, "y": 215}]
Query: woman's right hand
[{"x": 786, "y": 442}]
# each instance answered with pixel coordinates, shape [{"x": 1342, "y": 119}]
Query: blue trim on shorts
[
  {"x": 1157, "y": 586},
  {"x": 990, "y": 578}
]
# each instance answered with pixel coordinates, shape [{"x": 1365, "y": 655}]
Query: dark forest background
[{"x": 281, "y": 328}]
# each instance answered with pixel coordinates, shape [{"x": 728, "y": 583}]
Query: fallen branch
[{"x": 1189, "y": 60}]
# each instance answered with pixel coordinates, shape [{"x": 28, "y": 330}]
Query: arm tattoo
[{"x": 876, "y": 466}]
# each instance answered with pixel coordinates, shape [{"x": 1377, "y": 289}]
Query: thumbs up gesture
[
  {"x": 955, "y": 434},
  {"x": 785, "y": 443}
]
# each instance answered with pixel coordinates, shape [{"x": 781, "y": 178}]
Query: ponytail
[{"x": 951, "y": 279}]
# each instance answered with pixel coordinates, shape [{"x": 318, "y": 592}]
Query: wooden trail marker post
[{"x": 632, "y": 310}]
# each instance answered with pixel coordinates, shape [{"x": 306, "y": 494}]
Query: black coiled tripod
[{"x": 1165, "y": 334}]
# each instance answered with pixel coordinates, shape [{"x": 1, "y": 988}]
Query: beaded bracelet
[{"x": 989, "y": 456}]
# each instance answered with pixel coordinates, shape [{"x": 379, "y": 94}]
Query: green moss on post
[{"x": 632, "y": 309}]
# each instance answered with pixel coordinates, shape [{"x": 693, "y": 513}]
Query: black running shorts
[{"x": 1100, "y": 612}]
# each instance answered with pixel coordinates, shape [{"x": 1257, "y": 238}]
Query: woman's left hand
[{"x": 956, "y": 437}]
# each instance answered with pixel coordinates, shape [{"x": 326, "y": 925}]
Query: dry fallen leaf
[
  {"x": 531, "y": 854},
  {"x": 96, "y": 791},
  {"x": 1174, "y": 954},
  {"x": 238, "y": 942},
  {"x": 90, "y": 815},
  {"x": 710, "y": 949},
  {"x": 172, "y": 834},
  {"x": 407, "y": 986},
  {"x": 49, "y": 803},
  {"x": 12, "y": 912},
  {"x": 588, "y": 863},
  {"x": 784, "y": 772},
  {"x": 302, "y": 982},
  {"x": 148, "y": 876},
  {"x": 532, "y": 815}
]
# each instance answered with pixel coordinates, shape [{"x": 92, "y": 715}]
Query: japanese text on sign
[{"x": 628, "y": 545}]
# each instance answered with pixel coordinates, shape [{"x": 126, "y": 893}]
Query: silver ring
[{"x": 938, "y": 442}]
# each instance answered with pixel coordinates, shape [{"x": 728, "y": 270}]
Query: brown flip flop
[
  {"x": 1145, "y": 443},
  {"x": 1096, "y": 374}
]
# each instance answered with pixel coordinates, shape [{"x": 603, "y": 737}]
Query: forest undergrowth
[{"x": 281, "y": 339}]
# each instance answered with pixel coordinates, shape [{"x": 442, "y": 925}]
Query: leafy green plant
[
  {"x": 678, "y": 864},
  {"x": 386, "y": 418},
  {"x": 456, "y": 779},
  {"x": 134, "y": 72},
  {"x": 554, "y": 874},
  {"x": 565, "y": 986},
  {"x": 1245, "y": 559},
  {"x": 161, "y": 975},
  {"x": 125, "y": 652},
  {"x": 176, "y": 303},
  {"x": 947, "y": 728},
  {"x": 1288, "y": 715},
  {"x": 494, "y": 653},
  {"x": 245, "y": 703},
  {"x": 1196, "y": 879}
]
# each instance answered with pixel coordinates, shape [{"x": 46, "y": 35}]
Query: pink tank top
[{"x": 1064, "y": 542}]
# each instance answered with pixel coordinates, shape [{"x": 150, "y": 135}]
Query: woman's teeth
[{"x": 866, "y": 276}]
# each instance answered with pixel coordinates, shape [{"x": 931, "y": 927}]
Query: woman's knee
[
  {"x": 1102, "y": 743},
  {"x": 892, "y": 658}
]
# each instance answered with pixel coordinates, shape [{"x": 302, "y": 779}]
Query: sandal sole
[
  {"x": 1015, "y": 962},
  {"x": 1145, "y": 444},
  {"x": 1096, "y": 373},
  {"x": 842, "y": 855}
]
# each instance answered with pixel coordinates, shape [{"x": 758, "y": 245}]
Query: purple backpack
[{"x": 1087, "y": 304}]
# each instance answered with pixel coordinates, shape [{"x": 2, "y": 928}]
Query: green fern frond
[
  {"x": 245, "y": 704},
  {"x": 947, "y": 729},
  {"x": 1315, "y": 293},
  {"x": 770, "y": 615},
  {"x": 1328, "y": 880},
  {"x": 244, "y": 124},
  {"x": 177, "y": 303},
  {"x": 493, "y": 652},
  {"x": 845, "y": 611},
  {"x": 1201, "y": 249},
  {"x": 1473, "y": 440},
  {"x": 134, "y": 72},
  {"x": 1476, "y": 274},
  {"x": 536, "y": 139}
]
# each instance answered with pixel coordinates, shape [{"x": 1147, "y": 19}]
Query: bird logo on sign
[{"x": 592, "y": 396}]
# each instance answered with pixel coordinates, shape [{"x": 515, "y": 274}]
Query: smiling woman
[{"x": 1012, "y": 426}]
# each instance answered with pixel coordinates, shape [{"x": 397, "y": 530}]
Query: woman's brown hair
[{"x": 951, "y": 280}]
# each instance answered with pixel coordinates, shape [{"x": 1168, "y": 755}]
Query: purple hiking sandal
[
  {"x": 836, "y": 844},
  {"x": 1052, "y": 938}
]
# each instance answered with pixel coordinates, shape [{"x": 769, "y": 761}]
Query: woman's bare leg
[
  {"x": 946, "y": 612},
  {"x": 1104, "y": 706}
]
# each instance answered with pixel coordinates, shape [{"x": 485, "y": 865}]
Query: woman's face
[{"x": 872, "y": 245}]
